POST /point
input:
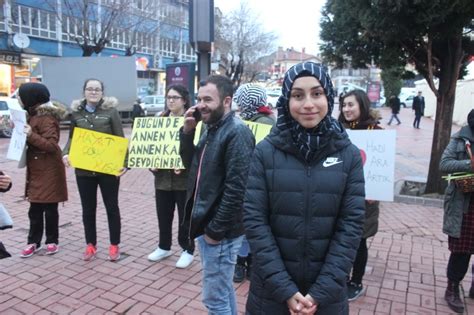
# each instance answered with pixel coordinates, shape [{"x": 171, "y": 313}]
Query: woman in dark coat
[
  {"x": 304, "y": 205},
  {"x": 458, "y": 220},
  {"x": 356, "y": 114},
  {"x": 45, "y": 175},
  {"x": 170, "y": 191}
]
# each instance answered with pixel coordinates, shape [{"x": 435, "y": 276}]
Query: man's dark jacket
[
  {"x": 419, "y": 105},
  {"x": 395, "y": 105},
  {"x": 214, "y": 201}
]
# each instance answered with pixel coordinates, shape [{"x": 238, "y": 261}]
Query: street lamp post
[{"x": 201, "y": 33}]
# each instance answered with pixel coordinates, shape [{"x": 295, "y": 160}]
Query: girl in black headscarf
[
  {"x": 304, "y": 206},
  {"x": 45, "y": 174}
]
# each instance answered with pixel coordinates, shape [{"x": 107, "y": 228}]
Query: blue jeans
[{"x": 218, "y": 264}]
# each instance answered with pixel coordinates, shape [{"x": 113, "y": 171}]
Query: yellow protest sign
[
  {"x": 259, "y": 131},
  {"x": 155, "y": 143},
  {"x": 97, "y": 151}
]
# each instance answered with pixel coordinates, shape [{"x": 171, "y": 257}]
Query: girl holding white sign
[
  {"x": 356, "y": 114},
  {"x": 170, "y": 191},
  {"x": 45, "y": 174},
  {"x": 98, "y": 113}
]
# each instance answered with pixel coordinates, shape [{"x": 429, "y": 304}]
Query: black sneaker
[
  {"x": 354, "y": 291},
  {"x": 239, "y": 273}
]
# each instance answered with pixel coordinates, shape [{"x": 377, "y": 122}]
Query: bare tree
[
  {"x": 93, "y": 24},
  {"x": 241, "y": 40}
]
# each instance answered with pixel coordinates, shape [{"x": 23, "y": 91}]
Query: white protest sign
[
  {"x": 377, "y": 148},
  {"x": 18, "y": 139}
]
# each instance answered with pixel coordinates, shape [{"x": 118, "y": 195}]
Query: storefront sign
[{"x": 10, "y": 57}]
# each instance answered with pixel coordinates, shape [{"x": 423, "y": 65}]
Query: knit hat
[
  {"x": 32, "y": 94},
  {"x": 250, "y": 97}
]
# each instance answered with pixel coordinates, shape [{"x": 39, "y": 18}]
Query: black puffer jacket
[
  {"x": 225, "y": 151},
  {"x": 303, "y": 222}
]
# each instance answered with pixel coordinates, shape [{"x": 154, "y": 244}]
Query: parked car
[
  {"x": 153, "y": 104},
  {"x": 5, "y": 104},
  {"x": 406, "y": 100},
  {"x": 272, "y": 98}
]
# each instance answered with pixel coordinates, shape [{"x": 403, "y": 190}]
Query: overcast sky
[{"x": 295, "y": 22}]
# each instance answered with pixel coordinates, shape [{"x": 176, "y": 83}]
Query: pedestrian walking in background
[
  {"x": 252, "y": 101},
  {"x": 304, "y": 204},
  {"x": 419, "y": 108},
  {"x": 218, "y": 168},
  {"x": 5, "y": 185},
  {"x": 170, "y": 191},
  {"x": 356, "y": 114},
  {"x": 45, "y": 174},
  {"x": 98, "y": 113},
  {"x": 137, "y": 110},
  {"x": 458, "y": 220},
  {"x": 394, "y": 103}
]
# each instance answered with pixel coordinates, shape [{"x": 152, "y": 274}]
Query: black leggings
[
  {"x": 358, "y": 269},
  {"x": 165, "y": 205},
  {"x": 38, "y": 214},
  {"x": 109, "y": 187},
  {"x": 457, "y": 266}
]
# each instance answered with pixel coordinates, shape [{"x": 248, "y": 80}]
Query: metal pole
[{"x": 204, "y": 65}]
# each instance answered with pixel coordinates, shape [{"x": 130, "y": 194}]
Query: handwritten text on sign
[
  {"x": 155, "y": 143},
  {"x": 377, "y": 148},
  {"x": 97, "y": 151}
]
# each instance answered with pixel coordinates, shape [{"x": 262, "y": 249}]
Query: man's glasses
[
  {"x": 173, "y": 98},
  {"x": 93, "y": 90}
]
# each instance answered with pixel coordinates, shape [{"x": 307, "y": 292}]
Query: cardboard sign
[
  {"x": 155, "y": 143},
  {"x": 259, "y": 131},
  {"x": 377, "y": 148},
  {"x": 18, "y": 140},
  {"x": 97, "y": 151}
]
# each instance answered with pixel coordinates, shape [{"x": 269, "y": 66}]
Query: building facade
[{"x": 154, "y": 31}]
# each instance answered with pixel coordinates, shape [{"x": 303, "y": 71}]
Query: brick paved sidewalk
[{"x": 405, "y": 274}]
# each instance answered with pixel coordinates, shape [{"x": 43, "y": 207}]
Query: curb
[
  {"x": 415, "y": 200},
  {"x": 422, "y": 201}
]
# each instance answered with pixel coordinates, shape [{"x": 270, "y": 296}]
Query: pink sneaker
[
  {"x": 52, "y": 249},
  {"x": 114, "y": 253},
  {"x": 29, "y": 250},
  {"x": 90, "y": 253}
]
